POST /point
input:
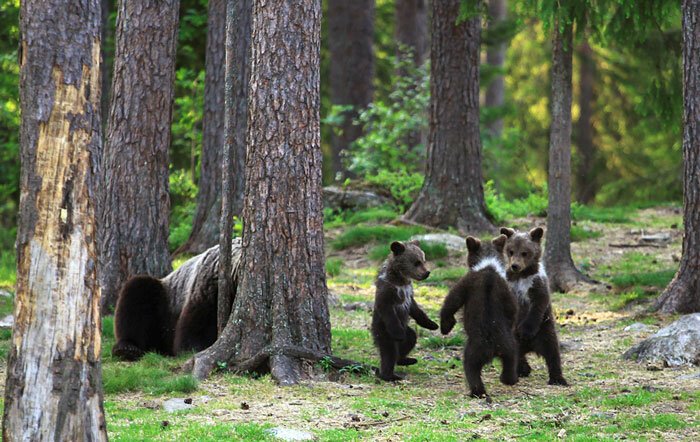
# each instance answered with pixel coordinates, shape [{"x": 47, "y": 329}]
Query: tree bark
[
  {"x": 107, "y": 54},
  {"x": 205, "y": 225},
  {"x": 235, "y": 126},
  {"x": 412, "y": 27},
  {"x": 280, "y": 300},
  {"x": 683, "y": 293},
  {"x": 496, "y": 56},
  {"x": 54, "y": 377},
  {"x": 453, "y": 194},
  {"x": 560, "y": 266},
  {"x": 136, "y": 202},
  {"x": 586, "y": 186},
  {"x": 351, "y": 36}
]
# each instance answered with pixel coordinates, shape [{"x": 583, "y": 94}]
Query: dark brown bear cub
[
  {"x": 490, "y": 311},
  {"x": 528, "y": 280},
  {"x": 394, "y": 304}
]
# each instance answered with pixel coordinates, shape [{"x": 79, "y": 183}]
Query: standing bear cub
[
  {"x": 394, "y": 304},
  {"x": 490, "y": 312},
  {"x": 528, "y": 280}
]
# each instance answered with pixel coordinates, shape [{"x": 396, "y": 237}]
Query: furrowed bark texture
[
  {"x": 135, "y": 200},
  {"x": 496, "y": 56},
  {"x": 586, "y": 186},
  {"x": 205, "y": 225},
  {"x": 453, "y": 193},
  {"x": 235, "y": 128},
  {"x": 281, "y": 294},
  {"x": 412, "y": 27},
  {"x": 683, "y": 293},
  {"x": 350, "y": 39},
  {"x": 54, "y": 378},
  {"x": 560, "y": 266}
]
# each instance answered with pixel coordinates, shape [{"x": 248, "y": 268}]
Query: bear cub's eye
[
  {"x": 524, "y": 254},
  {"x": 510, "y": 252},
  {"x": 417, "y": 263}
]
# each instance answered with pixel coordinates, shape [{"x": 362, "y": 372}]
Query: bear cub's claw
[{"x": 558, "y": 381}]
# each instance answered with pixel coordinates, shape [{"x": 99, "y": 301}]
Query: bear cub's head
[
  {"x": 523, "y": 250},
  {"x": 485, "y": 253},
  {"x": 408, "y": 260}
]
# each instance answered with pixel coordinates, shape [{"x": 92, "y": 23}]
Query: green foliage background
[{"x": 637, "y": 108}]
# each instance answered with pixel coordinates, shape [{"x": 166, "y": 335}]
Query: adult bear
[{"x": 174, "y": 314}]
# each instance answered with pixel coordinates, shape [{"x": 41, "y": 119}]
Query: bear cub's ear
[
  {"x": 536, "y": 234},
  {"x": 507, "y": 232},
  {"x": 499, "y": 242},
  {"x": 397, "y": 248},
  {"x": 473, "y": 244}
]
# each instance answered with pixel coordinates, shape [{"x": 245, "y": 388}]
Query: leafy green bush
[
  {"x": 363, "y": 234},
  {"x": 333, "y": 266},
  {"x": 182, "y": 196},
  {"x": 402, "y": 186},
  {"x": 432, "y": 251},
  {"x": 375, "y": 214},
  {"x": 502, "y": 211}
]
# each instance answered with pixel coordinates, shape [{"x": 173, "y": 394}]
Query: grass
[
  {"x": 333, "y": 266},
  {"x": 152, "y": 374},
  {"x": 637, "y": 271},
  {"x": 433, "y": 251},
  {"x": 618, "y": 214},
  {"x": 8, "y": 273},
  {"x": 365, "y": 234},
  {"x": 579, "y": 233}
]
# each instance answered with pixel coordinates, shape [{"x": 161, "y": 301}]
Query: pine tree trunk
[
  {"x": 496, "y": 56},
  {"x": 586, "y": 186},
  {"x": 205, "y": 225},
  {"x": 350, "y": 37},
  {"x": 453, "y": 194},
  {"x": 54, "y": 378},
  {"x": 107, "y": 54},
  {"x": 281, "y": 294},
  {"x": 135, "y": 201},
  {"x": 683, "y": 293},
  {"x": 560, "y": 266},
  {"x": 235, "y": 127},
  {"x": 412, "y": 27}
]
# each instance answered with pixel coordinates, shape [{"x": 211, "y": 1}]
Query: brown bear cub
[
  {"x": 394, "y": 304},
  {"x": 528, "y": 280},
  {"x": 490, "y": 312}
]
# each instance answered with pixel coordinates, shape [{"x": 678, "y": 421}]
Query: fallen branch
[
  {"x": 376, "y": 423},
  {"x": 637, "y": 245}
]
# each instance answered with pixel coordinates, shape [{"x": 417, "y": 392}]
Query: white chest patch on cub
[
  {"x": 522, "y": 286},
  {"x": 492, "y": 262},
  {"x": 406, "y": 294}
]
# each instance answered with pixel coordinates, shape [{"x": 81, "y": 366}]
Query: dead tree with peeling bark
[
  {"x": 279, "y": 320},
  {"x": 54, "y": 378}
]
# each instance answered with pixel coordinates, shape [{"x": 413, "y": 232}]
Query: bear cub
[
  {"x": 394, "y": 304},
  {"x": 490, "y": 312},
  {"x": 527, "y": 278}
]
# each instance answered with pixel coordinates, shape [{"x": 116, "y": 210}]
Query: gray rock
[
  {"x": 8, "y": 321},
  {"x": 452, "y": 242},
  {"x": 675, "y": 345},
  {"x": 569, "y": 346},
  {"x": 353, "y": 306},
  {"x": 658, "y": 238},
  {"x": 176, "y": 404},
  {"x": 5, "y": 294},
  {"x": 290, "y": 434},
  {"x": 637, "y": 327},
  {"x": 343, "y": 199}
]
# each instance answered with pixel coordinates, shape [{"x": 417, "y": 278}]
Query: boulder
[
  {"x": 177, "y": 404},
  {"x": 450, "y": 241},
  {"x": 343, "y": 199},
  {"x": 675, "y": 345}
]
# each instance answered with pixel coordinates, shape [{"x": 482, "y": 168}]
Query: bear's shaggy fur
[
  {"x": 490, "y": 312},
  {"x": 527, "y": 277},
  {"x": 394, "y": 304},
  {"x": 173, "y": 314}
]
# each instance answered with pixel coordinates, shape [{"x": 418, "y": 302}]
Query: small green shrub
[
  {"x": 364, "y": 234},
  {"x": 182, "y": 194},
  {"x": 333, "y": 266},
  {"x": 375, "y": 214},
  {"x": 403, "y": 186},
  {"x": 8, "y": 268},
  {"x": 502, "y": 210},
  {"x": 579, "y": 233}
]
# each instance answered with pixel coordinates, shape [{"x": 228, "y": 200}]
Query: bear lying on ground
[
  {"x": 490, "y": 312},
  {"x": 170, "y": 315},
  {"x": 394, "y": 304},
  {"x": 528, "y": 280}
]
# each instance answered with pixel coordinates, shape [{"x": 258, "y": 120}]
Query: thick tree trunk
[
  {"x": 107, "y": 54},
  {"x": 205, "y": 225},
  {"x": 453, "y": 194},
  {"x": 351, "y": 36},
  {"x": 585, "y": 180},
  {"x": 135, "y": 201},
  {"x": 280, "y": 301},
  {"x": 683, "y": 293},
  {"x": 54, "y": 378},
  {"x": 238, "y": 17},
  {"x": 560, "y": 266},
  {"x": 412, "y": 27},
  {"x": 496, "y": 56}
]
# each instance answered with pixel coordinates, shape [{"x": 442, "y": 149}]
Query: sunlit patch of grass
[
  {"x": 617, "y": 214},
  {"x": 658, "y": 279},
  {"x": 432, "y": 251},
  {"x": 440, "y": 342},
  {"x": 636, "y": 271},
  {"x": 364, "y": 234},
  {"x": 657, "y": 421},
  {"x": 152, "y": 374},
  {"x": 444, "y": 274},
  {"x": 8, "y": 270},
  {"x": 373, "y": 215}
]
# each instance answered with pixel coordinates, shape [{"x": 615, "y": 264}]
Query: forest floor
[{"x": 609, "y": 398}]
